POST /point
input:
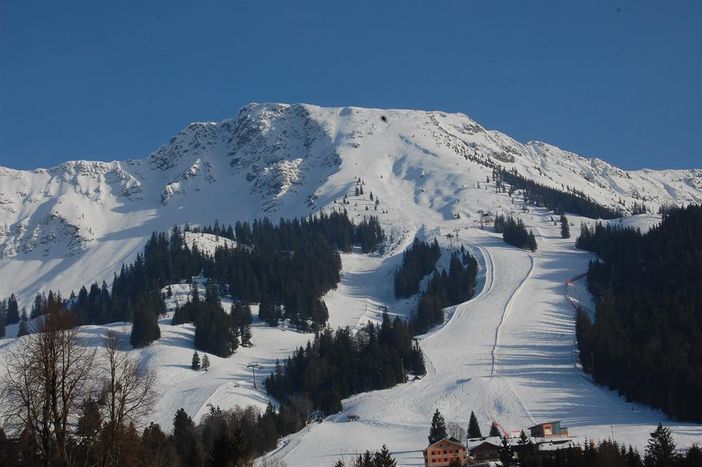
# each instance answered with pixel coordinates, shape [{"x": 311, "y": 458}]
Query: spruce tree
[
  {"x": 494, "y": 430},
  {"x": 205, "y": 362},
  {"x": 473, "y": 427},
  {"x": 145, "y": 327},
  {"x": 185, "y": 438},
  {"x": 383, "y": 458},
  {"x": 565, "y": 229},
  {"x": 523, "y": 439},
  {"x": 195, "y": 365},
  {"x": 13, "y": 315},
  {"x": 660, "y": 450},
  {"x": 438, "y": 428},
  {"x": 23, "y": 329},
  {"x": 222, "y": 453},
  {"x": 505, "y": 452}
]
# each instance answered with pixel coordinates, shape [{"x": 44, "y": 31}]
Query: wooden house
[
  {"x": 443, "y": 452},
  {"x": 548, "y": 429}
]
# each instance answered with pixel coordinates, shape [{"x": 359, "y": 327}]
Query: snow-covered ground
[
  {"x": 508, "y": 354},
  {"x": 77, "y": 223}
]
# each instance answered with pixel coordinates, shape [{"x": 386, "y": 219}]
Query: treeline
[
  {"x": 515, "y": 233},
  {"x": 289, "y": 266},
  {"x": 555, "y": 200},
  {"x": 336, "y": 228},
  {"x": 339, "y": 363},
  {"x": 446, "y": 288},
  {"x": 417, "y": 261},
  {"x": 645, "y": 338},
  {"x": 661, "y": 451}
]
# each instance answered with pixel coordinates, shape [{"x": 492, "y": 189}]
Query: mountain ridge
[{"x": 286, "y": 160}]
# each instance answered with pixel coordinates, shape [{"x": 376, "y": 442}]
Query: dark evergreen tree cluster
[
  {"x": 12, "y": 309},
  {"x": 269, "y": 311},
  {"x": 215, "y": 331},
  {"x": 338, "y": 364},
  {"x": 417, "y": 261},
  {"x": 289, "y": 266},
  {"x": 515, "y": 233},
  {"x": 381, "y": 458},
  {"x": 639, "y": 208},
  {"x": 295, "y": 279},
  {"x": 660, "y": 452},
  {"x": 556, "y": 200},
  {"x": 444, "y": 289},
  {"x": 565, "y": 227},
  {"x": 335, "y": 227},
  {"x": 645, "y": 338},
  {"x": 241, "y": 322}
]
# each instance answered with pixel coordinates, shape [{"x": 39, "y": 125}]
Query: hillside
[
  {"x": 508, "y": 354},
  {"x": 80, "y": 221}
]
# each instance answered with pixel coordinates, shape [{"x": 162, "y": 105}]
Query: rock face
[{"x": 79, "y": 221}]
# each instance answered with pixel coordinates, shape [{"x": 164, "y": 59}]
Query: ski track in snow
[{"x": 507, "y": 354}]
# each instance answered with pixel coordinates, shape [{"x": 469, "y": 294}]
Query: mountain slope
[{"x": 78, "y": 222}]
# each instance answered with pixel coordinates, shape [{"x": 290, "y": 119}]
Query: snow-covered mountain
[{"x": 75, "y": 223}]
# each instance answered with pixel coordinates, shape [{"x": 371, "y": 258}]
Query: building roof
[
  {"x": 449, "y": 439},
  {"x": 485, "y": 443}
]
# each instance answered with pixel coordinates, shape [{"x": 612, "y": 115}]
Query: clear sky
[{"x": 88, "y": 79}]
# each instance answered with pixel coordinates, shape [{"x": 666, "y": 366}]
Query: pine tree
[
  {"x": 531, "y": 244},
  {"x": 145, "y": 327},
  {"x": 13, "y": 315},
  {"x": 185, "y": 439},
  {"x": 194, "y": 292},
  {"x": 473, "y": 427},
  {"x": 660, "y": 450},
  {"x": 222, "y": 453},
  {"x": 195, "y": 365},
  {"x": 438, "y": 428},
  {"x": 241, "y": 321},
  {"x": 494, "y": 430},
  {"x": 565, "y": 228},
  {"x": 205, "y": 362},
  {"x": 505, "y": 452},
  {"x": 383, "y": 458},
  {"x": 23, "y": 329},
  {"x": 523, "y": 439}
]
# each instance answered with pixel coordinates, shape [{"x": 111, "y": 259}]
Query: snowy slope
[
  {"x": 507, "y": 354},
  {"x": 78, "y": 222}
]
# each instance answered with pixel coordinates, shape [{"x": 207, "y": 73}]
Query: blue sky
[{"x": 115, "y": 79}]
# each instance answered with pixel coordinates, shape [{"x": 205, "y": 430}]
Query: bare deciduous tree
[
  {"x": 48, "y": 375},
  {"x": 127, "y": 394}
]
